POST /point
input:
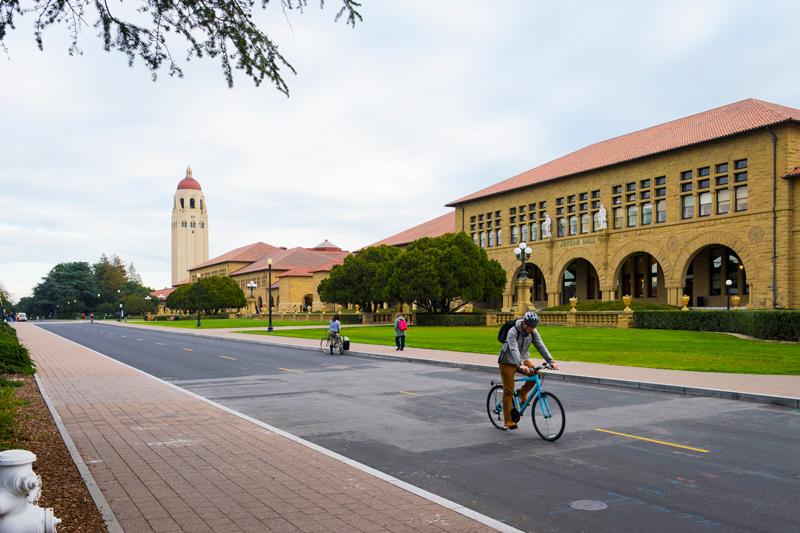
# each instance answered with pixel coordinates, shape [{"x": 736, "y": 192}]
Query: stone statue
[
  {"x": 602, "y": 221},
  {"x": 546, "y": 226}
]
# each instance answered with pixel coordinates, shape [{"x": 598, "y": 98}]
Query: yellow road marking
[
  {"x": 187, "y": 349},
  {"x": 408, "y": 393},
  {"x": 290, "y": 370},
  {"x": 160, "y": 343},
  {"x": 701, "y": 450},
  {"x": 228, "y": 357}
]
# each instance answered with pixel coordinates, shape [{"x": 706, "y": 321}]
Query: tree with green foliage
[
  {"x": 68, "y": 288},
  {"x": 442, "y": 274},
  {"x": 111, "y": 276},
  {"x": 149, "y": 29},
  {"x": 216, "y": 294},
  {"x": 5, "y": 299},
  {"x": 361, "y": 279},
  {"x": 137, "y": 305}
]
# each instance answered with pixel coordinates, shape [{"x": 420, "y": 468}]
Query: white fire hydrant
[{"x": 19, "y": 492}]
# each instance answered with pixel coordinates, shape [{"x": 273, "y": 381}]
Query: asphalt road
[{"x": 427, "y": 425}]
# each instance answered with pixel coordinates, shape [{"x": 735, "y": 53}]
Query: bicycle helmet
[{"x": 531, "y": 318}]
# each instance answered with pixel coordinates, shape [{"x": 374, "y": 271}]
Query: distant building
[
  {"x": 189, "y": 228},
  {"x": 675, "y": 209}
]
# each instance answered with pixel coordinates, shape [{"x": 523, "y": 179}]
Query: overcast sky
[{"x": 422, "y": 103}]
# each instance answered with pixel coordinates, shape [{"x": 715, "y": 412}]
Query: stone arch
[
  {"x": 691, "y": 248},
  {"x": 593, "y": 261},
  {"x": 616, "y": 261}
]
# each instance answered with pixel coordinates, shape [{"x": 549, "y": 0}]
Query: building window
[
  {"x": 472, "y": 219},
  {"x": 660, "y": 193},
  {"x": 633, "y": 216},
  {"x": 721, "y": 167},
  {"x": 475, "y": 239},
  {"x": 192, "y": 223},
  {"x": 686, "y": 175},
  {"x": 704, "y": 184},
  {"x": 722, "y": 180},
  {"x": 571, "y": 208},
  {"x": 715, "y": 276},
  {"x": 543, "y": 204},
  {"x": 182, "y": 206},
  {"x": 483, "y": 240},
  {"x": 647, "y": 213},
  {"x": 661, "y": 180},
  {"x": 499, "y": 233},
  {"x": 630, "y": 186},
  {"x": 202, "y": 224},
  {"x": 571, "y": 199},
  {"x": 585, "y": 223},
  {"x": 514, "y": 234},
  {"x": 595, "y": 204},
  {"x": 631, "y": 197},
  {"x": 704, "y": 171},
  {"x": 559, "y": 210},
  {"x": 560, "y": 201},
  {"x": 645, "y": 195},
  {"x": 595, "y": 195},
  {"x": 534, "y": 231},
  {"x": 741, "y": 198},
  {"x": 617, "y": 200},
  {"x": 652, "y": 290},
  {"x": 583, "y": 207},
  {"x": 562, "y": 227},
  {"x": 191, "y": 203},
  {"x": 573, "y": 225},
  {"x": 618, "y": 219},
  {"x": 523, "y": 233},
  {"x": 705, "y": 204},
  {"x": 661, "y": 211},
  {"x": 480, "y": 217},
  {"x": 583, "y": 196},
  {"x": 616, "y": 189},
  {"x": 723, "y": 201},
  {"x": 183, "y": 224},
  {"x": 201, "y": 205},
  {"x": 740, "y": 177},
  {"x": 741, "y": 163},
  {"x": 644, "y": 184},
  {"x": 687, "y": 206},
  {"x": 491, "y": 238}
]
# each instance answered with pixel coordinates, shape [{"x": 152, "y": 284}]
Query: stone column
[
  {"x": 608, "y": 294},
  {"x": 507, "y": 302},
  {"x": 524, "y": 295}
]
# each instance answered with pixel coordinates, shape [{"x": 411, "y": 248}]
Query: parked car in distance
[{"x": 22, "y": 317}]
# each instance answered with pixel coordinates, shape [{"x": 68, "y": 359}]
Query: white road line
[
  {"x": 228, "y": 357},
  {"x": 187, "y": 349}
]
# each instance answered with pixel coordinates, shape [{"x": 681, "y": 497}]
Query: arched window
[
  {"x": 182, "y": 206},
  {"x": 191, "y": 203},
  {"x": 183, "y": 224},
  {"x": 192, "y": 223},
  {"x": 201, "y": 205},
  {"x": 202, "y": 224}
]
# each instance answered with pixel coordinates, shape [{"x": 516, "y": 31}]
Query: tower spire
[{"x": 189, "y": 172}]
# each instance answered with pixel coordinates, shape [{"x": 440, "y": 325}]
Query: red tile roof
[
  {"x": 243, "y": 254},
  {"x": 731, "y": 119},
  {"x": 161, "y": 293},
  {"x": 295, "y": 258},
  {"x": 432, "y": 228}
]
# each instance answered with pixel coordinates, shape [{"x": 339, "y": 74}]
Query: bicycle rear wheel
[
  {"x": 338, "y": 346},
  {"x": 325, "y": 345},
  {"x": 494, "y": 406},
  {"x": 548, "y": 416}
]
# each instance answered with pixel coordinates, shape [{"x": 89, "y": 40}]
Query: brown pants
[{"x": 507, "y": 374}]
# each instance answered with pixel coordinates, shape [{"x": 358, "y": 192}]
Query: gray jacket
[{"x": 517, "y": 346}]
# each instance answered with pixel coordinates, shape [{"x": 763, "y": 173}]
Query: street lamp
[
  {"x": 149, "y": 309},
  {"x": 728, "y": 284},
  {"x": 523, "y": 253},
  {"x": 119, "y": 318},
  {"x": 269, "y": 292},
  {"x": 197, "y": 300}
]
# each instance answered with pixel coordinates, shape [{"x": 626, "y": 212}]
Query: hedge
[
  {"x": 451, "y": 319},
  {"x": 773, "y": 325},
  {"x": 14, "y": 357}
]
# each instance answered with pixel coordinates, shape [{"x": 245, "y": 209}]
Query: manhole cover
[{"x": 588, "y": 505}]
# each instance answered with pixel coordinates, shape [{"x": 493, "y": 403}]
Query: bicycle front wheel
[
  {"x": 494, "y": 406},
  {"x": 548, "y": 416},
  {"x": 325, "y": 345}
]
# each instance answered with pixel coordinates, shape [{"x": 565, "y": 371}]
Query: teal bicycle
[{"x": 547, "y": 412}]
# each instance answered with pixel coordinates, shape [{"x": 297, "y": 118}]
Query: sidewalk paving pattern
[{"x": 166, "y": 460}]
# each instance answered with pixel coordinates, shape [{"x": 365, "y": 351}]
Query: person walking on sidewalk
[
  {"x": 515, "y": 357},
  {"x": 400, "y": 327}
]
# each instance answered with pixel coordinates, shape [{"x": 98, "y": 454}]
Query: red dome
[{"x": 189, "y": 183}]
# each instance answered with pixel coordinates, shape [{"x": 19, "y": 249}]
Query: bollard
[{"x": 19, "y": 493}]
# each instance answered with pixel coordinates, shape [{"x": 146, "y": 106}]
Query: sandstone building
[
  {"x": 189, "y": 228},
  {"x": 674, "y": 209}
]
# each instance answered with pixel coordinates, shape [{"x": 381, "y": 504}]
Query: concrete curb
[
  {"x": 577, "y": 378},
  {"x": 102, "y": 504}
]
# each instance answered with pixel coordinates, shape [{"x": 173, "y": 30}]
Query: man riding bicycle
[
  {"x": 515, "y": 357},
  {"x": 334, "y": 329}
]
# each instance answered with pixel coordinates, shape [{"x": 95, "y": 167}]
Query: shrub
[
  {"x": 14, "y": 357},
  {"x": 450, "y": 319},
  {"x": 773, "y": 325}
]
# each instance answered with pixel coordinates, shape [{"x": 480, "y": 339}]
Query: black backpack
[{"x": 502, "y": 335}]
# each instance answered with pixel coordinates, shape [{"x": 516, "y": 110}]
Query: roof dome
[
  {"x": 326, "y": 246},
  {"x": 189, "y": 182}
]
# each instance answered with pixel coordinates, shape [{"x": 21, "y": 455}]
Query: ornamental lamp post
[
  {"x": 728, "y": 284},
  {"x": 269, "y": 292},
  {"x": 149, "y": 309},
  {"x": 119, "y": 318},
  {"x": 251, "y": 285},
  {"x": 523, "y": 253},
  {"x": 197, "y": 300}
]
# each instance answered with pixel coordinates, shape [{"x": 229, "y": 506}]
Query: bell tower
[{"x": 189, "y": 228}]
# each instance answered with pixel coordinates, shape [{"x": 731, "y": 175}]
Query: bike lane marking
[{"x": 701, "y": 450}]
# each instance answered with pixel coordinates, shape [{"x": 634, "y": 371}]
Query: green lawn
[
  {"x": 227, "y": 323},
  {"x": 677, "y": 350}
]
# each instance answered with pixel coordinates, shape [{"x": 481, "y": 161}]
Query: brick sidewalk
[
  {"x": 166, "y": 460},
  {"x": 768, "y": 385}
]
